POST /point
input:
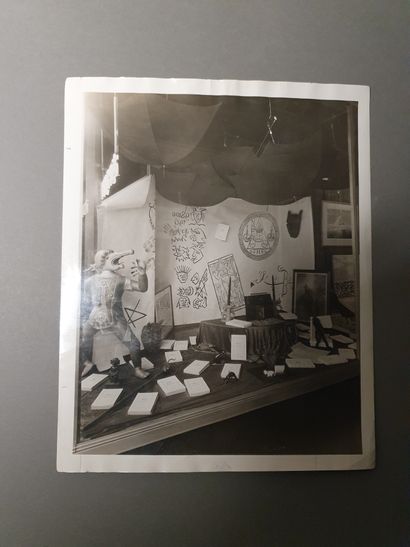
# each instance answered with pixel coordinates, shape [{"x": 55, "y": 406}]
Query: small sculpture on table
[
  {"x": 319, "y": 332},
  {"x": 227, "y": 312}
]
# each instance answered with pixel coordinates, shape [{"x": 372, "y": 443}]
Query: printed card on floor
[
  {"x": 196, "y": 367},
  {"x": 173, "y": 357},
  {"x": 180, "y": 345},
  {"x": 238, "y": 347},
  {"x": 93, "y": 381},
  {"x": 171, "y": 386},
  {"x": 146, "y": 364},
  {"x": 287, "y": 316},
  {"x": 167, "y": 344},
  {"x": 196, "y": 387},
  {"x": 106, "y": 399},
  {"x": 300, "y": 363},
  {"x": 143, "y": 404},
  {"x": 347, "y": 353},
  {"x": 332, "y": 360},
  {"x": 231, "y": 367},
  {"x": 342, "y": 339}
]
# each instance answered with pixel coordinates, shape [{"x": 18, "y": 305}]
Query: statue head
[{"x": 109, "y": 260}]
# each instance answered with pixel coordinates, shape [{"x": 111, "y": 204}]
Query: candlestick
[{"x": 229, "y": 291}]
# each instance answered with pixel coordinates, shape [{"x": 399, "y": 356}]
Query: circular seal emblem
[{"x": 258, "y": 235}]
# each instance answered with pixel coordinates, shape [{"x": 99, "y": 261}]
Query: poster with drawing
[
  {"x": 224, "y": 272},
  {"x": 181, "y": 196}
]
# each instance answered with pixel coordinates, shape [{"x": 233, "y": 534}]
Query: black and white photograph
[
  {"x": 310, "y": 290},
  {"x": 336, "y": 224},
  {"x": 203, "y": 301}
]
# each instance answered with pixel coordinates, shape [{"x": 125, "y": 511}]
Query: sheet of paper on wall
[
  {"x": 173, "y": 357},
  {"x": 196, "y": 368},
  {"x": 171, "y": 386},
  {"x": 106, "y": 399},
  {"x": 180, "y": 345},
  {"x": 332, "y": 360},
  {"x": 325, "y": 321},
  {"x": 146, "y": 364},
  {"x": 222, "y": 232},
  {"x": 143, "y": 404},
  {"x": 348, "y": 353},
  {"x": 287, "y": 316},
  {"x": 192, "y": 340},
  {"x": 167, "y": 344},
  {"x": 231, "y": 367},
  {"x": 196, "y": 387},
  {"x": 238, "y": 347},
  {"x": 93, "y": 381},
  {"x": 342, "y": 339},
  {"x": 300, "y": 363}
]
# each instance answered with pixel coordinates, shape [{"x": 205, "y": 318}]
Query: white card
[
  {"x": 302, "y": 326},
  {"x": 304, "y": 335},
  {"x": 347, "y": 353},
  {"x": 196, "y": 367},
  {"x": 173, "y": 356},
  {"x": 143, "y": 404},
  {"x": 166, "y": 344},
  {"x": 192, "y": 340},
  {"x": 342, "y": 339},
  {"x": 300, "y": 363},
  {"x": 106, "y": 399},
  {"x": 231, "y": 367},
  {"x": 332, "y": 360},
  {"x": 222, "y": 232},
  {"x": 325, "y": 321},
  {"x": 92, "y": 381},
  {"x": 146, "y": 364},
  {"x": 196, "y": 387},
  {"x": 180, "y": 345},
  {"x": 238, "y": 347},
  {"x": 288, "y": 315},
  {"x": 352, "y": 346},
  {"x": 171, "y": 386}
]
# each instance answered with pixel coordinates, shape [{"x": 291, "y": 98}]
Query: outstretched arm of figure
[{"x": 139, "y": 274}]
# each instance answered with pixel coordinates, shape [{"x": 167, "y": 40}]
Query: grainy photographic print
[{"x": 211, "y": 318}]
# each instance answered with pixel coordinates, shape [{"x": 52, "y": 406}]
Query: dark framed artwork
[
  {"x": 336, "y": 224},
  {"x": 310, "y": 293}
]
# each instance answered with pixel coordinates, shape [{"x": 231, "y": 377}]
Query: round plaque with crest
[{"x": 258, "y": 235}]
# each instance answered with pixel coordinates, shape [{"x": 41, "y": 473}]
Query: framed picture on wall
[
  {"x": 336, "y": 224},
  {"x": 310, "y": 293},
  {"x": 163, "y": 309}
]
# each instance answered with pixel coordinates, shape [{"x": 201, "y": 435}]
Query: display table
[
  {"x": 114, "y": 432},
  {"x": 269, "y": 335}
]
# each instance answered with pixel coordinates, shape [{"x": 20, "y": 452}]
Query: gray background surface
[{"x": 42, "y": 43}]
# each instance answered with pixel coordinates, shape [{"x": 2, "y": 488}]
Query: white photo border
[{"x": 68, "y": 461}]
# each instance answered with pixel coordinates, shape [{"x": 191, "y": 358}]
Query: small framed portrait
[
  {"x": 310, "y": 293},
  {"x": 163, "y": 309},
  {"x": 336, "y": 224}
]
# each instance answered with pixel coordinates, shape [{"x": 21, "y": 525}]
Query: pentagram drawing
[
  {"x": 258, "y": 235},
  {"x": 130, "y": 312}
]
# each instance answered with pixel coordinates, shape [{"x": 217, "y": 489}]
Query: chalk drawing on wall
[
  {"x": 222, "y": 269},
  {"x": 182, "y": 273},
  {"x": 195, "y": 278},
  {"x": 282, "y": 280},
  {"x": 258, "y": 279},
  {"x": 258, "y": 235},
  {"x": 133, "y": 314},
  {"x": 201, "y": 296}
]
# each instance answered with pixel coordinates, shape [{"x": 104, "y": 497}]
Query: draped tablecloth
[{"x": 271, "y": 335}]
